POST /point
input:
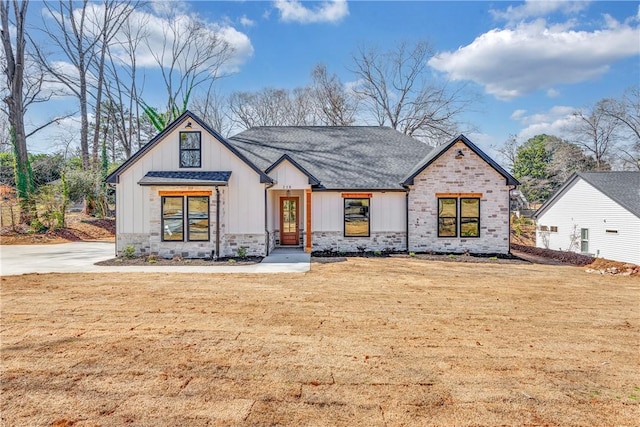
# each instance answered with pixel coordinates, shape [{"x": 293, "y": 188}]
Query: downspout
[
  {"x": 511, "y": 188},
  {"x": 406, "y": 214},
  {"x": 217, "y": 222},
  {"x": 266, "y": 228},
  {"x": 266, "y": 219}
]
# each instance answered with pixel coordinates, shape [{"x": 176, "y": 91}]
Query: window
[
  {"x": 173, "y": 220},
  {"x": 190, "y": 155},
  {"x": 553, "y": 229},
  {"x": 584, "y": 240},
  {"x": 447, "y": 217},
  {"x": 469, "y": 217},
  {"x": 356, "y": 217},
  {"x": 544, "y": 228}
]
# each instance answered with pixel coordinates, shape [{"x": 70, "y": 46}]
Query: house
[
  {"x": 193, "y": 193},
  {"x": 595, "y": 213}
]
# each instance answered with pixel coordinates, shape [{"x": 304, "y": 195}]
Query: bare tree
[
  {"x": 122, "y": 86},
  {"x": 212, "y": 107},
  {"x": 626, "y": 111},
  {"x": 14, "y": 57},
  {"x": 273, "y": 107},
  {"x": 399, "y": 91},
  {"x": 594, "y": 132},
  {"x": 68, "y": 33},
  {"x": 509, "y": 151},
  {"x": 105, "y": 22},
  {"x": 336, "y": 106},
  {"x": 191, "y": 54}
]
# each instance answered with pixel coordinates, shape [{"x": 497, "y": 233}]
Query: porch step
[{"x": 288, "y": 255}]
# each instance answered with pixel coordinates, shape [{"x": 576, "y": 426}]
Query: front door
[{"x": 289, "y": 234}]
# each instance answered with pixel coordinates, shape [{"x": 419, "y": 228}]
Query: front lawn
[{"x": 369, "y": 341}]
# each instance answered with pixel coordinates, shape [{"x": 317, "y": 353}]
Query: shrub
[
  {"x": 242, "y": 252},
  {"x": 128, "y": 251}
]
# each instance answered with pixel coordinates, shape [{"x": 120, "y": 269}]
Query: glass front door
[{"x": 289, "y": 233}]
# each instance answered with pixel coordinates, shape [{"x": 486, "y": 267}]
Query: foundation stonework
[
  {"x": 467, "y": 174},
  {"x": 378, "y": 241}
]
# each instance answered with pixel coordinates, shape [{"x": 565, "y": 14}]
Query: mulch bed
[{"x": 179, "y": 261}]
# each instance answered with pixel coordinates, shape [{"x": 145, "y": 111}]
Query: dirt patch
[
  {"x": 367, "y": 341},
  {"x": 80, "y": 227}
]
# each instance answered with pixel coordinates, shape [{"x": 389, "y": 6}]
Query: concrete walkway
[{"x": 80, "y": 257}]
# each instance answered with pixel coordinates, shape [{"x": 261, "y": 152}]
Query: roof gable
[
  {"x": 115, "y": 175},
  {"x": 621, "y": 187},
  {"x": 285, "y": 157},
  {"x": 441, "y": 149}
]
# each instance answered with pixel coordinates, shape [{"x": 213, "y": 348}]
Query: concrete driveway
[{"x": 80, "y": 257}]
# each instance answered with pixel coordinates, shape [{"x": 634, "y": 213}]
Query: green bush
[
  {"x": 128, "y": 251},
  {"x": 242, "y": 252}
]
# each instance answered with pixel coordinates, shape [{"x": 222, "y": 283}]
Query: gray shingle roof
[
  {"x": 339, "y": 157},
  {"x": 185, "y": 178},
  {"x": 621, "y": 187}
]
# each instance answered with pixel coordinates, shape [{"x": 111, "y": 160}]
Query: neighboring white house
[
  {"x": 595, "y": 213},
  {"x": 193, "y": 193}
]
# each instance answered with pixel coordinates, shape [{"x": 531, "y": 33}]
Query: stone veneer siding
[
  {"x": 256, "y": 244},
  {"x": 470, "y": 174},
  {"x": 378, "y": 241}
]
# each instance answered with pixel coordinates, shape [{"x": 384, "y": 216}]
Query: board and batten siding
[
  {"x": 387, "y": 222},
  {"x": 243, "y": 212},
  {"x": 583, "y": 206}
]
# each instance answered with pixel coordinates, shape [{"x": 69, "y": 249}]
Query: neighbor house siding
[
  {"x": 387, "y": 222},
  {"x": 581, "y": 205},
  {"x": 468, "y": 174}
]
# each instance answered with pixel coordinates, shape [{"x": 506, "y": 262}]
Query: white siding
[
  {"x": 583, "y": 206},
  {"x": 244, "y": 198},
  {"x": 288, "y": 177},
  {"x": 386, "y": 211}
]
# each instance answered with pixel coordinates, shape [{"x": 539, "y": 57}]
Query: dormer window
[{"x": 190, "y": 150}]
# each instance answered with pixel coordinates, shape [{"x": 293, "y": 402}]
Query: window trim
[
  {"x": 199, "y": 149},
  {"x": 344, "y": 216},
  {"x": 458, "y": 218},
  {"x": 162, "y": 233},
  {"x": 455, "y": 199},
  {"x": 478, "y": 217},
  {"x": 188, "y": 226},
  {"x": 185, "y": 218}
]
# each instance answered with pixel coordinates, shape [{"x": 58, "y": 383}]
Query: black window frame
[
  {"x": 185, "y": 219},
  {"x": 189, "y": 217},
  {"x": 162, "y": 216},
  {"x": 458, "y": 219},
  {"x": 368, "y": 216},
  {"x": 198, "y": 150},
  {"x": 469, "y": 217},
  {"x": 440, "y": 217}
]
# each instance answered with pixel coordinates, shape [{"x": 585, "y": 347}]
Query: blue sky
[{"x": 532, "y": 63}]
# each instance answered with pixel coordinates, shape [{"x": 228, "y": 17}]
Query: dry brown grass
[{"x": 366, "y": 342}]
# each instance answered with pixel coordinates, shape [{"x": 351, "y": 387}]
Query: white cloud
[
  {"x": 537, "y": 8},
  {"x": 246, "y": 22},
  {"x": 533, "y": 56},
  {"x": 327, "y": 11},
  {"x": 158, "y": 38},
  {"x": 552, "y": 122}
]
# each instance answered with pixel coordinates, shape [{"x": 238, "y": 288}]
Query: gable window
[
  {"x": 190, "y": 150},
  {"x": 459, "y": 215},
  {"x": 356, "y": 217},
  {"x": 173, "y": 218}
]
